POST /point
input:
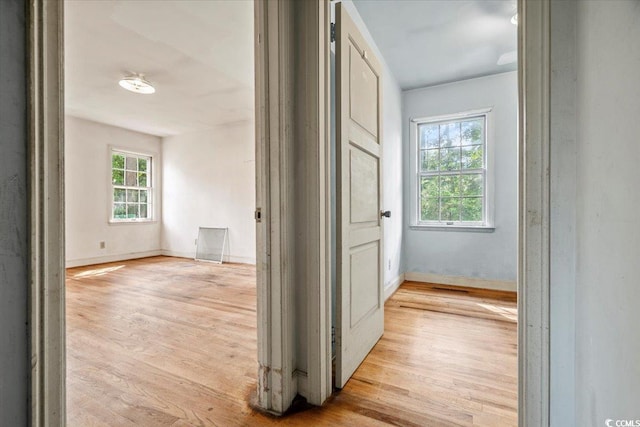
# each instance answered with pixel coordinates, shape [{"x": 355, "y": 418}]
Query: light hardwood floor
[{"x": 172, "y": 342}]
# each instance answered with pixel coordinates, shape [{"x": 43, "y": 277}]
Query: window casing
[
  {"x": 450, "y": 159},
  {"x": 132, "y": 187}
]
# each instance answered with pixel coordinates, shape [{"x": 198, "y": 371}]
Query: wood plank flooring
[{"x": 172, "y": 342}]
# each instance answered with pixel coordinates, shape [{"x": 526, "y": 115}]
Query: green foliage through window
[
  {"x": 452, "y": 171},
  {"x": 131, "y": 181}
]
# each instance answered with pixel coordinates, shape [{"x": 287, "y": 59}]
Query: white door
[{"x": 360, "y": 319}]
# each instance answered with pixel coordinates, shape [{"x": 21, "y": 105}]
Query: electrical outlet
[
  {"x": 103, "y": 245},
  {"x": 389, "y": 265}
]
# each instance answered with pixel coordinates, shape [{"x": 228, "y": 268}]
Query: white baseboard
[
  {"x": 471, "y": 282},
  {"x": 227, "y": 258},
  {"x": 392, "y": 286},
  {"x": 110, "y": 258}
]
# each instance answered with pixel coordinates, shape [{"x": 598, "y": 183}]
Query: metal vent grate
[{"x": 211, "y": 244}]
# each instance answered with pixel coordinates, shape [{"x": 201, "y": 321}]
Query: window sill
[
  {"x": 472, "y": 228},
  {"x": 146, "y": 221}
]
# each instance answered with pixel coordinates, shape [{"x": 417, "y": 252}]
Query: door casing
[{"x": 46, "y": 194}]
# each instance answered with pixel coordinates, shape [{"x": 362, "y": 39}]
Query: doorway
[
  {"x": 160, "y": 188},
  {"x": 445, "y": 131}
]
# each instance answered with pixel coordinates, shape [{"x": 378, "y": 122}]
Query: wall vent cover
[{"x": 211, "y": 244}]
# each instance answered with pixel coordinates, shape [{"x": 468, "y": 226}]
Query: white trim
[
  {"x": 478, "y": 228},
  {"x": 313, "y": 211},
  {"x": 470, "y": 282},
  {"x": 274, "y": 63},
  {"x": 533, "y": 212},
  {"x": 191, "y": 255},
  {"x": 46, "y": 196},
  {"x": 453, "y": 116},
  {"x": 392, "y": 286},
  {"x": 111, "y": 258}
]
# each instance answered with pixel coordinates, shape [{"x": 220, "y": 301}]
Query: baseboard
[
  {"x": 110, "y": 258},
  {"x": 392, "y": 286},
  {"x": 227, "y": 258},
  {"x": 471, "y": 282}
]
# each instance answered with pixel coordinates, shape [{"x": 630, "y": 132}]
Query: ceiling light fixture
[
  {"x": 138, "y": 84},
  {"x": 514, "y": 19}
]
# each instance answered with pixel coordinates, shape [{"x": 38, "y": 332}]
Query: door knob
[{"x": 386, "y": 214}]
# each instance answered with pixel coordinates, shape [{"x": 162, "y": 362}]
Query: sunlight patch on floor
[
  {"x": 509, "y": 313},
  {"x": 97, "y": 272}
]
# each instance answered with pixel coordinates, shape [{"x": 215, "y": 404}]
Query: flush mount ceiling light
[
  {"x": 514, "y": 19},
  {"x": 138, "y": 84}
]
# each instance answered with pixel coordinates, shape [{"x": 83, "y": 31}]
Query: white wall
[
  {"x": 607, "y": 291},
  {"x": 392, "y": 160},
  {"x": 491, "y": 256},
  {"x": 88, "y": 193},
  {"x": 595, "y": 241},
  {"x": 209, "y": 181}
]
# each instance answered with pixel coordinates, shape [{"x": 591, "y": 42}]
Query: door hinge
[
  {"x": 258, "y": 214},
  {"x": 333, "y": 32}
]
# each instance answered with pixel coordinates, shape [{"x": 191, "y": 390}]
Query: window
[
  {"x": 131, "y": 182},
  {"x": 451, "y": 171}
]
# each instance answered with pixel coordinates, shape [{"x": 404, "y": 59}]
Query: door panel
[
  {"x": 363, "y": 176},
  {"x": 362, "y": 301},
  {"x": 363, "y": 91},
  {"x": 359, "y": 296}
]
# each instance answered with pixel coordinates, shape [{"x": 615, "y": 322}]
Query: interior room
[
  {"x": 149, "y": 328},
  {"x": 146, "y": 323},
  {"x": 131, "y": 355},
  {"x": 449, "y": 134}
]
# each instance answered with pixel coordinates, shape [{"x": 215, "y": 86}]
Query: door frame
[
  {"x": 275, "y": 341},
  {"x": 534, "y": 85}
]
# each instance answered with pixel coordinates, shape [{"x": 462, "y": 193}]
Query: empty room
[{"x": 159, "y": 143}]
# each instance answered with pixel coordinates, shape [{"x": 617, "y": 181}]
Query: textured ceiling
[
  {"x": 198, "y": 54},
  {"x": 429, "y": 42}
]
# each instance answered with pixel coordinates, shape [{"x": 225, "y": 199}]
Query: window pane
[
  {"x": 119, "y": 211},
  {"x": 471, "y": 185},
  {"x": 449, "y": 159},
  {"x": 429, "y": 209},
  {"x": 450, "y": 209},
  {"x": 429, "y": 160},
  {"x": 132, "y": 180},
  {"x": 143, "y": 210},
  {"x": 450, "y": 186},
  {"x": 450, "y": 135},
  {"x": 472, "y": 131},
  {"x": 143, "y": 196},
  {"x": 132, "y": 163},
  {"x": 142, "y": 165},
  {"x": 132, "y": 210},
  {"x": 132, "y": 196},
  {"x": 117, "y": 161},
  {"x": 142, "y": 179},
  {"x": 117, "y": 177},
  {"x": 472, "y": 157},
  {"x": 428, "y": 135},
  {"x": 119, "y": 195},
  {"x": 472, "y": 209},
  {"x": 429, "y": 187}
]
